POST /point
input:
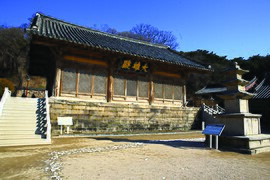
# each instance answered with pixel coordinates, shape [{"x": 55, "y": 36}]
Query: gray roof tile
[
  {"x": 262, "y": 91},
  {"x": 53, "y": 28}
]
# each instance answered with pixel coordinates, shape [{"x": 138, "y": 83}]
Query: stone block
[{"x": 112, "y": 117}]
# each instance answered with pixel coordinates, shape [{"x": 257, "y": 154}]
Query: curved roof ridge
[
  {"x": 53, "y": 28},
  {"x": 103, "y": 33}
]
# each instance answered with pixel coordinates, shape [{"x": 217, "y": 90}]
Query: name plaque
[{"x": 133, "y": 66}]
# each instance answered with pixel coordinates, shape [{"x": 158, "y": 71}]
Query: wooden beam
[
  {"x": 81, "y": 59},
  {"x": 167, "y": 74}
]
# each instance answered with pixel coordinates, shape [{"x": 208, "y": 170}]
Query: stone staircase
[
  {"x": 252, "y": 144},
  {"x": 19, "y": 122}
]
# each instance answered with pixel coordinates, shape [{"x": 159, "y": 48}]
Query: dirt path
[{"x": 154, "y": 160}]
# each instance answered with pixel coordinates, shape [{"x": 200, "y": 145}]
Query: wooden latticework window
[
  {"x": 168, "y": 88},
  {"x": 85, "y": 82},
  {"x": 158, "y": 89},
  {"x": 143, "y": 88},
  {"x": 100, "y": 81},
  {"x": 131, "y": 87},
  {"x": 69, "y": 81},
  {"x": 119, "y": 86},
  {"x": 178, "y": 92}
]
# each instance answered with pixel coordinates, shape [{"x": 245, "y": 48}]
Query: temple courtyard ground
[{"x": 155, "y": 156}]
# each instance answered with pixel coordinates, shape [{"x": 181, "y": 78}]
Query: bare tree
[
  {"x": 144, "y": 32},
  {"x": 152, "y": 34}
]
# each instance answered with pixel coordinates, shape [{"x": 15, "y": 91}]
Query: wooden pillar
[
  {"x": 184, "y": 95},
  {"x": 151, "y": 90},
  {"x": 58, "y": 74},
  {"x": 184, "y": 91},
  {"x": 57, "y": 82},
  {"x": 110, "y": 84},
  {"x": 77, "y": 81},
  {"x": 110, "y": 81}
]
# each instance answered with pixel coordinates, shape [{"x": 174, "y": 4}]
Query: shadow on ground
[{"x": 194, "y": 143}]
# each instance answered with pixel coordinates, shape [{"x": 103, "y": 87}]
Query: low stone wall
[{"x": 94, "y": 117}]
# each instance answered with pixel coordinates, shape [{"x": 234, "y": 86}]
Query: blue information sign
[{"x": 214, "y": 129}]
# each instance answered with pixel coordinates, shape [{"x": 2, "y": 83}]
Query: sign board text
[{"x": 214, "y": 129}]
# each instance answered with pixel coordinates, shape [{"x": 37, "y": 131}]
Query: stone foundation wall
[{"x": 94, "y": 117}]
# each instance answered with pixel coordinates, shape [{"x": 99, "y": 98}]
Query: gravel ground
[
  {"x": 162, "y": 159},
  {"x": 178, "y": 156}
]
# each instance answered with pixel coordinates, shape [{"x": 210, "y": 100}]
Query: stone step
[
  {"x": 20, "y": 106},
  {"x": 18, "y": 116},
  {"x": 17, "y": 132},
  {"x": 28, "y": 100},
  {"x": 22, "y": 99},
  {"x": 22, "y": 114},
  {"x": 29, "y": 127},
  {"x": 252, "y": 144},
  {"x": 19, "y": 136},
  {"x": 260, "y": 150},
  {"x": 12, "y": 122},
  {"x": 16, "y": 121},
  {"x": 259, "y": 141},
  {"x": 22, "y": 142}
]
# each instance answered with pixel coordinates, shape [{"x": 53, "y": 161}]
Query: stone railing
[
  {"x": 208, "y": 114},
  {"x": 6, "y": 95},
  {"x": 213, "y": 110},
  {"x": 43, "y": 118},
  {"x": 30, "y": 92}
]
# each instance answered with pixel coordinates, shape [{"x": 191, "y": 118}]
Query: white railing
[
  {"x": 6, "y": 95},
  {"x": 213, "y": 110},
  {"x": 49, "y": 126}
]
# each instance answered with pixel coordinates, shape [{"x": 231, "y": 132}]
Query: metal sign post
[{"x": 213, "y": 129}]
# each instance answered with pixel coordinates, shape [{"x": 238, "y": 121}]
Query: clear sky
[{"x": 232, "y": 28}]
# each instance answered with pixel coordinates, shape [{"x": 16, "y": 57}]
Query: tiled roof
[
  {"x": 251, "y": 84},
  {"x": 53, "y": 28},
  {"x": 262, "y": 91},
  {"x": 219, "y": 88},
  {"x": 212, "y": 88}
]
